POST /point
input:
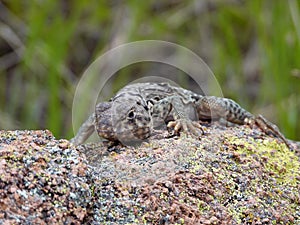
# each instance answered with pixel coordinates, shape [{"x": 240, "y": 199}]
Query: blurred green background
[{"x": 253, "y": 48}]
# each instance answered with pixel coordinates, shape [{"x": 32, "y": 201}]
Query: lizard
[{"x": 137, "y": 109}]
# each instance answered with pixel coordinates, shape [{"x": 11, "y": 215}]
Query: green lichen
[
  {"x": 203, "y": 206},
  {"x": 275, "y": 157},
  {"x": 181, "y": 221}
]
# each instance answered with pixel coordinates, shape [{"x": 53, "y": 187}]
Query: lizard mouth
[{"x": 133, "y": 136}]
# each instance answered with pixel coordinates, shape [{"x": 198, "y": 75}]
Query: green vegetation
[{"x": 253, "y": 48}]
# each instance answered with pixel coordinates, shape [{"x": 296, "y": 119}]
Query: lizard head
[
  {"x": 131, "y": 119},
  {"x": 125, "y": 118}
]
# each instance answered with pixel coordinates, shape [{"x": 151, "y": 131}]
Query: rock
[
  {"x": 235, "y": 175},
  {"x": 39, "y": 180}
]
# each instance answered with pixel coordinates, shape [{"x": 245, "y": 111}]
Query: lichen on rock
[{"x": 227, "y": 176}]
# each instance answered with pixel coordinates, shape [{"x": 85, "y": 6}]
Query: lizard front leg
[
  {"x": 173, "y": 108},
  {"x": 85, "y": 131},
  {"x": 99, "y": 121},
  {"x": 211, "y": 107}
]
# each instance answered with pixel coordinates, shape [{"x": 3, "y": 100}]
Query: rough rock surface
[
  {"x": 232, "y": 175},
  {"x": 42, "y": 180}
]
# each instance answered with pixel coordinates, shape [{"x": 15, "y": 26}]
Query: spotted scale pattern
[{"x": 137, "y": 109}]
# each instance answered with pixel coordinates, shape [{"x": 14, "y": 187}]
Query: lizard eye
[{"x": 131, "y": 115}]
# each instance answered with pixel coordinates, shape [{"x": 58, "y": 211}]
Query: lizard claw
[
  {"x": 187, "y": 126},
  {"x": 268, "y": 127}
]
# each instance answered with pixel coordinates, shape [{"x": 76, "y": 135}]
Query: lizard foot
[
  {"x": 187, "y": 126},
  {"x": 268, "y": 127}
]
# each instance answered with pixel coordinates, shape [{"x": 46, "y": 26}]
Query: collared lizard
[{"x": 134, "y": 112}]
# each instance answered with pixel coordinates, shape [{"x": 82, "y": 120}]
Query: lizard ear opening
[
  {"x": 156, "y": 98},
  {"x": 150, "y": 103}
]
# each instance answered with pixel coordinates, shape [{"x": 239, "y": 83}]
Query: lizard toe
[
  {"x": 195, "y": 128},
  {"x": 269, "y": 127},
  {"x": 186, "y": 126}
]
